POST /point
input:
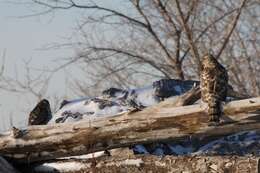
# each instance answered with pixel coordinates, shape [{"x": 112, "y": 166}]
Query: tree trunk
[{"x": 158, "y": 123}]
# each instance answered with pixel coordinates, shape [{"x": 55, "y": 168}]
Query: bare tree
[
  {"x": 36, "y": 85},
  {"x": 139, "y": 41},
  {"x": 143, "y": 40},
  {"x": 2, "y": 64},
  {"x": 32, "y": 84}
]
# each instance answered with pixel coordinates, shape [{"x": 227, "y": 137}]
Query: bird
[
  {"x": 213, "y": 86},
  {"x": 41, "y": 114}
]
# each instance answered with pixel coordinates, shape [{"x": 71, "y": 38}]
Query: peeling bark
[{"x": 158, "y": 123}]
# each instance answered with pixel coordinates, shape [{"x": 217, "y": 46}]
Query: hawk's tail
[{"x": 215, "y": 110}]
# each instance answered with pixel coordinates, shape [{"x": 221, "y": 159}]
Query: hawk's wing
[
  {"x": 214, "y": 82},
  {"x": 222, "y": 83}
]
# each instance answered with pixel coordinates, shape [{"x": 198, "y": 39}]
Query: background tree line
[{"x": 139, "y": 41}]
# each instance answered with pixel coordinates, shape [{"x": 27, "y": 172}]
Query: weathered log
[
  {"x": 148, "y": 163},
  {"x": 158, "y": 123},
  {"x": 5, "y": 167}
]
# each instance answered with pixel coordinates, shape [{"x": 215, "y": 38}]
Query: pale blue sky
[{"x": 21, "y": 38}]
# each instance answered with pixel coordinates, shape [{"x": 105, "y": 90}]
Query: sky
[{"x": 22, "y": 38}]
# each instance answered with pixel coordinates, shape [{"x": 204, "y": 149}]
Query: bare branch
[
  {"x": 141, "y": 58},
  {"x": 2, "y": 68},
  {"x": 233, "y": 25},
  {"x": 189, "y": 34},
  {"x": 173, "y": 60}
]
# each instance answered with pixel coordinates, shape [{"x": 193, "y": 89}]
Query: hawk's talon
[{"x": 213, "y": 123}]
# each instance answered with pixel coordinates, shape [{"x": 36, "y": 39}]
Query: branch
[
  {"x": 157, "y": 123},
  {"x": 166, "y": 16},
  {"x": 188, "y": 32},
  {"x": 2, "y": 67},
  {"x": 204, "y": 31},
  {"x": 233, "y": 25},
  {"x": 95, "y": 7},
  {"x": 156, "y": 37},
  {"x": 139, "y": 57}
]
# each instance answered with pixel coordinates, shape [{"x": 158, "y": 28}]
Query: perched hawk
[
  {"x": 213, "y": 85},
  {"x": 41, "y": 114}
]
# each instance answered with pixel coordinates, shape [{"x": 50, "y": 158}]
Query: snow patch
[
  {"x": 114, "y": 102},
  {"x": 87, "y": 156},
  {"x": 158, "y": 152},
  {"x": 145, "y": 96},
  {"x": 62, "y": 166},
  {"x": 178, "y": 89},
  {"x": 140, "y": 149},
  {"x": 180, "y": 150}
]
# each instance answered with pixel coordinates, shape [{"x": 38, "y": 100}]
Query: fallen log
[
  {"x": 149, "y": 163},
  {"x": 157, "y": 123}
]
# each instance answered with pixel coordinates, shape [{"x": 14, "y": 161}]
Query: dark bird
[
  {"x": 41, "y": 114},
  {"x": 213, "y": 85}
]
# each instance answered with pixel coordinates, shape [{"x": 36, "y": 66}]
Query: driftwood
[
  {"x": 159, "y": 123},
  {"x": 153, "y": 164}
]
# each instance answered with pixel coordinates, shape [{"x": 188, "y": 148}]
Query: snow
[
  {"x": 242, "y": 143},
  {"x": 145, "y": 96},
  {"x": 87, "y": 156},
  {"x": 89, "y": 108},
  {"x": 180, "y": 150},
  {"x": 140, "y": 149},
  {"x": 158, "y": 152},
  {"x": 178, "y": 89},
  {"x": 117, "y": 101},
  {"x": 61, "y": 166}
]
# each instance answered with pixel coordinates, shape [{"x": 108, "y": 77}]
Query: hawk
[
  {"x": 41, "y": 114},
  {"x": 213, "y": 85}
]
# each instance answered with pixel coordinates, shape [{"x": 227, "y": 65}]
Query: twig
[
  {"x": 188, "y": 32},
  {"x": 233, "y": 25}
]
